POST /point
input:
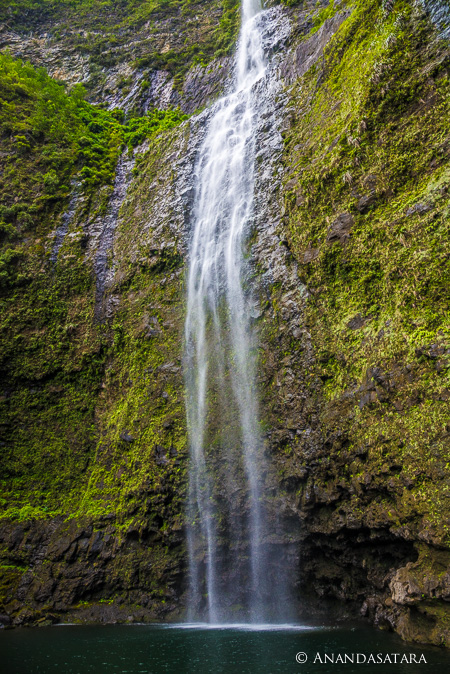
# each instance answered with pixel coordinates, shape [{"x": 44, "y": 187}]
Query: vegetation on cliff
[
  {"x": 49, "y": 139},
  {"x": 165, "y": 35},
  {"x": 91, "y": 425},
  {"x": 367, "y": 194}
]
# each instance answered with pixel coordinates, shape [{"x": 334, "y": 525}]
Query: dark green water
[{"x": 143, "y": 649}]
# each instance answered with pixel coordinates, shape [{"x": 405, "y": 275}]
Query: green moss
[
  {"x": 369, "y": 141},
  {"x": 325, "y": 13},
  {"x": 53, "y": 354},
  {"x": 140, "y": 461},
  {"x": 10, "y": 576}
]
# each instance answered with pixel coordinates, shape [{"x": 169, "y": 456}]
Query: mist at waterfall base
[
  {"x": 144, "y": 649},
  {"x": 234, "y": 566}
]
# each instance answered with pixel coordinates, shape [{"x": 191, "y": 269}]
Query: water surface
[{"x": 181, "y": 649}]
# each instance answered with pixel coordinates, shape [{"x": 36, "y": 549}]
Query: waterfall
[
  {"x": 439, "y": 11},
  {"x": 228, "y": 561}
]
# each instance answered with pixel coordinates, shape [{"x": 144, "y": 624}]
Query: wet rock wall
[{"x": 346, "y": 256}]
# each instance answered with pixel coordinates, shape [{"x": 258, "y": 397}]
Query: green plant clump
[
  {"x": 53, "y": 353},
  {"x": 156, "y": 121}
]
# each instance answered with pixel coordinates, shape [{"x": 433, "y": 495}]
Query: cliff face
[
  {"x": 132, "y": 55},
  {"x": 366, "y": 198},
  {"x": 350, "y": 267}
]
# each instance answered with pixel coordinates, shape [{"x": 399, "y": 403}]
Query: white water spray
[{"x": 228, "y": 565}]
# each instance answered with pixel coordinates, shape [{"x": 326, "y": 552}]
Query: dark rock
[
  {"x": 388, "y": 6},
  {"x": 59, "y": 547},
  {"x": 371, "y": 182},
  {"x": 5, "y": 619},
  {"x": 96, "y": 543},
  {"x": 291, "y": 482},
  {"x": 368, "y": 399},
  {"x": 309, "y": 255},
  {"x": 160, "y": 454},
  {"x": 366, "y": 201},
  {"x": 45, "y": 590},
  {"x": 356, "y": 322},
  {"x": 339, "y": 230},
  {"x": 418, "y": 208},
  {"x": 433, "y": 352},
  {"x": 83, "y": 544},
  {"x": 126, "y": 437},
  {"x": 377, "y": 375},
  {"x": 311, "y": 50}
]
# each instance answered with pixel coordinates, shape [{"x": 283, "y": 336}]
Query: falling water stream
[{"x": 228, "y": 561}]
